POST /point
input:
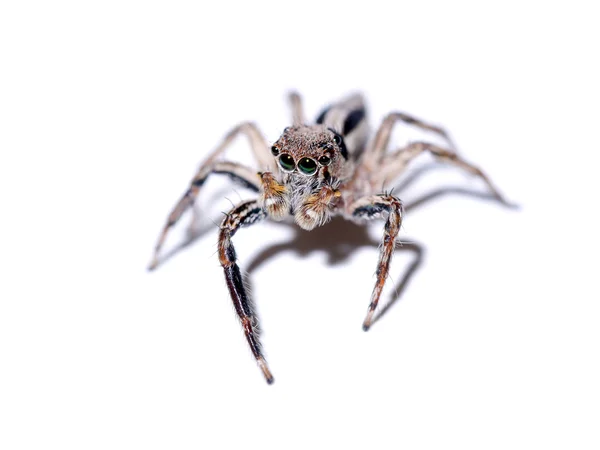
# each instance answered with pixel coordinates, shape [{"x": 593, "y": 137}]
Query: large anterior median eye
[
  {"x": 307, "y": 165},
  {"x": 287, "y": 162}
]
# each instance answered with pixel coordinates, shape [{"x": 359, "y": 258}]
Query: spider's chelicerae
[{"x": 312, "y": 173}]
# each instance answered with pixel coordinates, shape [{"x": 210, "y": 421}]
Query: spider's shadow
[{"x": 340, "y": 238}]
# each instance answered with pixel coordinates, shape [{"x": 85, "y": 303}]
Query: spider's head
[{"x": 311, "y": 151}]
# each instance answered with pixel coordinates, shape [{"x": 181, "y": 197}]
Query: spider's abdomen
[{"x": 349, "y": 118}]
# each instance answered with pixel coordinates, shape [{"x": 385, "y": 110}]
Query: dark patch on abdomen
[
  {"x": 341, "y": 144},
  {"x": 353, "y": 120},
  {"x": 321, "y": 116}
]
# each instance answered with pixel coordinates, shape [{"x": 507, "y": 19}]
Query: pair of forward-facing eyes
[{"x": 305, "y": 164}]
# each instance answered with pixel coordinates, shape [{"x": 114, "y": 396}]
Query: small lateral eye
[
  {"x": 274, "y": 151},
  {"x": 324, "y": 160},
  {"x": 307, "y": 165},
  {"x": 337, "y": 139},
  {"x": 287, "y": 162}
]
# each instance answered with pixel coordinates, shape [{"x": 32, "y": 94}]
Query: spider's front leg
[
  {"x": 247, "y": 176},
  {"x": 245, "y": 214},
  {"x": 373, "y": 207}
]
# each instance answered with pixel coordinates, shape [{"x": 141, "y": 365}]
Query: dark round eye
[
  {"x": 275, "y": 151},
  {"x": 307, "y": 165},
  {"x": 337, "y": 139},
  {"x": 324, "y": 160},
  {"x": 286, "y": 162}
]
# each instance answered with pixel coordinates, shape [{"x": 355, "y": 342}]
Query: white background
[{"x": 105, "y": 111}]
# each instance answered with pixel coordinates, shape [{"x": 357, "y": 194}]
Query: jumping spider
[{"x": 314, "y": 172}]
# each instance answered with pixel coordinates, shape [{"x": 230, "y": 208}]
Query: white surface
[{"x": 105, "y": 112}]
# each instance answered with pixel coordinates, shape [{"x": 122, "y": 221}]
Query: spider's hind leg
[
  {"x": 373, "y": 207},
  {"x": 395, "y": 163},
  {"x": 378, "y": 145},
  {"x": 295, "y": 100}
]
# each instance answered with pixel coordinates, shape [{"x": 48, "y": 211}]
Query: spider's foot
[
  {"x": 369, "y": 319},
  {"x": 266, "y": 372},
  {"x": 153, "y": 264},
  {"x": 506, "y": 202}
]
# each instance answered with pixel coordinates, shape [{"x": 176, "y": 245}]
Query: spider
[{"x": 312, "y": 173}]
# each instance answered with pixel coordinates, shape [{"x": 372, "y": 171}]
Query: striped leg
[
  {"x": 245, "y": 214},
  {"x": 373, "y": 207},
  {"x": 378, "y": 145},
  {"x": 261, "y": 151},
  {"x": 395, "y": 163}
]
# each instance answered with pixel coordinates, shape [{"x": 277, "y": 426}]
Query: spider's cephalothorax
[
  {"x": 313, "y": 161},
  {"x": 311, "y": 173}
]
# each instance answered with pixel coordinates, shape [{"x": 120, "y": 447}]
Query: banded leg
[
  {"x": 245, "y": 214},
  {"x": 395, "y": 163},
  {"x": 259, "y": 147},
  {"x": 295, "y": 100},
  {"x": 378, "y": 145},
  {"x": 373, "y": 207}
]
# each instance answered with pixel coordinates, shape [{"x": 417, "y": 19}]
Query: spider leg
[
  {"x": 395, "y": 163},
  {"x": 259, "y": 147},
  {"x": 373, "y": 207},
  {"x": 378, "y": 145},
  {"x": 238, "y": 172},
  {"x": 245, "y": 214},
  {"x": 298, "y": 117}
]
